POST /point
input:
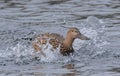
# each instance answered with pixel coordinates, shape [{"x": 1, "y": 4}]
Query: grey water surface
[{"x": 21, "y": 20}]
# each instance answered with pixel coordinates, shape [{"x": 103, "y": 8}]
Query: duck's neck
[{"x": 68, "y": 41}]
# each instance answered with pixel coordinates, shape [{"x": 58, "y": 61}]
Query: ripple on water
[{"x": 21, "y": 20}]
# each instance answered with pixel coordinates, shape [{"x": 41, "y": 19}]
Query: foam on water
[{"x": 93, "y": 28}]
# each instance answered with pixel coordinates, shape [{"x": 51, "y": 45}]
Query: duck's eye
[{"x": 72, "y": 30}]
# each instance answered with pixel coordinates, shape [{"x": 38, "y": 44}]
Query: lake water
[{"x": 21, "y": 20}]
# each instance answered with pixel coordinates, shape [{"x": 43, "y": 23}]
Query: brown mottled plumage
[{"x": 57, "y": 40}]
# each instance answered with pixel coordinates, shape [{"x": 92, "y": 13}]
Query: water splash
[
  {"x": 94, "y": 29},
  {"x": 19, "y": 53},
  {"x": 84, "y": 50}
]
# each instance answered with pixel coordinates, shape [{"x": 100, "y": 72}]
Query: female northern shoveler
[{"x": 58, "y": 41}]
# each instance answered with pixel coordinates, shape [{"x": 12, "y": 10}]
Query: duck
[{"x": 65, "y": 45}]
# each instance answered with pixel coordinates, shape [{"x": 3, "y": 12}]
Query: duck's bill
[{"x": 82, "y": 37}]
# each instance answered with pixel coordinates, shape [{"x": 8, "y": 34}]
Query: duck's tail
[{"x": 25, "y": 38}]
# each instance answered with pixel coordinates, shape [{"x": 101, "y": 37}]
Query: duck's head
[{"x": 74, "y": 33}]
